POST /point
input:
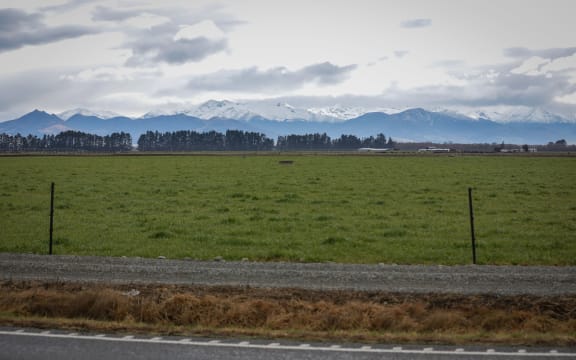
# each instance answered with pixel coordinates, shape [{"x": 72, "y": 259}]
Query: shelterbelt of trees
[
  {"x": 236, "y": 140},
  {"x": 251, "y": 141},
  {"x": 232, "y": 140},
  {"x": 66, "y": 141}
]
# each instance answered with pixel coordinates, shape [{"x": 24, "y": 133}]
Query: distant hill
[{"x": 417, "y": 125}]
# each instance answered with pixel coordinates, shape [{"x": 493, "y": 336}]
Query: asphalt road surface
[
  {"x": 509, "y": 280},
  {"x": 40, "y": 345}
]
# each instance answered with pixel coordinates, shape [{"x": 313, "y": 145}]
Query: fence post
[
  {"x": 473, "y": 236},
  {"x": 51, "y": 216}
]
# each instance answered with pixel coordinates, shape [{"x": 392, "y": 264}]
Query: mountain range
[{"x": 528, "y": 126}]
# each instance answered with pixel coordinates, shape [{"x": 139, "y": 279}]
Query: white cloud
[
  {"x": 532, "y": 66},
  {"x": 204, "y": 29},
  {"x": 567, "y": 99},
  {"x": 112, "y": 74}
]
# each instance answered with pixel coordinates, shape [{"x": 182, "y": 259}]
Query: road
[
  {"x": 34, "y": 344},
  {"x": 505, "y": 280}
]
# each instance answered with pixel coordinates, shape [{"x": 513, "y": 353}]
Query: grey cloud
[
  {"x": 401, "y": 53},
  {"x": 480, "y": 91},
  {"x": 18, "y": 29},
  {"x": 275, "y": 79},
  {"x": 506, "y": 89},
  {"x": 324, "y": 73},
  {"x": 552, "y": 53},
  {"x": 26, "y": 88},
  {"x": 152, "y": 50},
  {"x": 448, "y": 63},
  {"x": 416, "y": 23},
  {"x": 101, "y": 13},
  {"x": 176, "y": 16},
  {"x": 12, "y": 20},
  {"x": 50, "y": 90},
  {"x": 157, "y": 44},
  {"x": 70, "y": 5}
]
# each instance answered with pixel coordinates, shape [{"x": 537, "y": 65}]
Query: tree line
[
  {"x": 74, "y": 141},
  {"x": 324, "y": 142},
  {"x": 231, "y": 140},
  {"x": 186, "y": 140},
  {"x": 234, "y": 140}
]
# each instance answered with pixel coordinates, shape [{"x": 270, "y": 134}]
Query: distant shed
[{"x": 433, "y": 149}]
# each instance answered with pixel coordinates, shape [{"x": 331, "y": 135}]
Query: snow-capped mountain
[
  {"x": 536, "y": 114},
  {"x": 274, "y": 110},
  {"x": 242, "y": 111},
  {"x": 102, "y": 114},
  {"x": 512, "y": 125},
  {"x": 519, "y": 114},
  {"x": 221, "y": 109},
  {"x": 339, "y": 112},
  {"x": 284, "y": 111}
]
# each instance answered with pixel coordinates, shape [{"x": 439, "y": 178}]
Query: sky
[{"x": 133, "y": 56}]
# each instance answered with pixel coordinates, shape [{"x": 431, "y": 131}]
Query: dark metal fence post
[
  {"x": 472, "y": 226},
  {"x": 51, "y": 216}
]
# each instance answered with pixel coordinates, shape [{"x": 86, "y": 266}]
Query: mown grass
[
  {"x": 357, "y": 209},
  {"x": 292, "y": 313}
]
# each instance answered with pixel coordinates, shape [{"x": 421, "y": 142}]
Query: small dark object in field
[{"x": 286, "y": 162}]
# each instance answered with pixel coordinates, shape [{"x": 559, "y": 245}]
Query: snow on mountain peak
[
  {"x": 103, "y": 114},
  {"x": 220, "y": 109},
  {"x": 278, "y": 110},
  {"x": 241, "y": 111},
  {"x": 339, "y": 112},
  {"x": 524, "y": 114}
]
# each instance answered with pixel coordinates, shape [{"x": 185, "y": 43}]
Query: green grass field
[{"x": 360, "y": 209}]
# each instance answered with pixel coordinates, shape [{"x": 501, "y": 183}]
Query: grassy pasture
[{"x": 360, "y": 209}]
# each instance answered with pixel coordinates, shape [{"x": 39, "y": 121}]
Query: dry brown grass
[{"x": 294, "y": 312}]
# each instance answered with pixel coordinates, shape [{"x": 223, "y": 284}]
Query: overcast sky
[{"x": 132, "y": 56}]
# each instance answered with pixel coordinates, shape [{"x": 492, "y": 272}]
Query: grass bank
[
  {"x": 292, "y": 313},
  {"x": 355, "y": 209}
]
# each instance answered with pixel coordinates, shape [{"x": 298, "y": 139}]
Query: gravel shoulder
[{"x": 484, "y": 279}]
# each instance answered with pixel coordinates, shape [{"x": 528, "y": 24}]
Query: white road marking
[{"x": 302, "y": 347}]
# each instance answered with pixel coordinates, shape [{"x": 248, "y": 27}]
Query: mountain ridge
[{"x": 412, "y": 125}]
